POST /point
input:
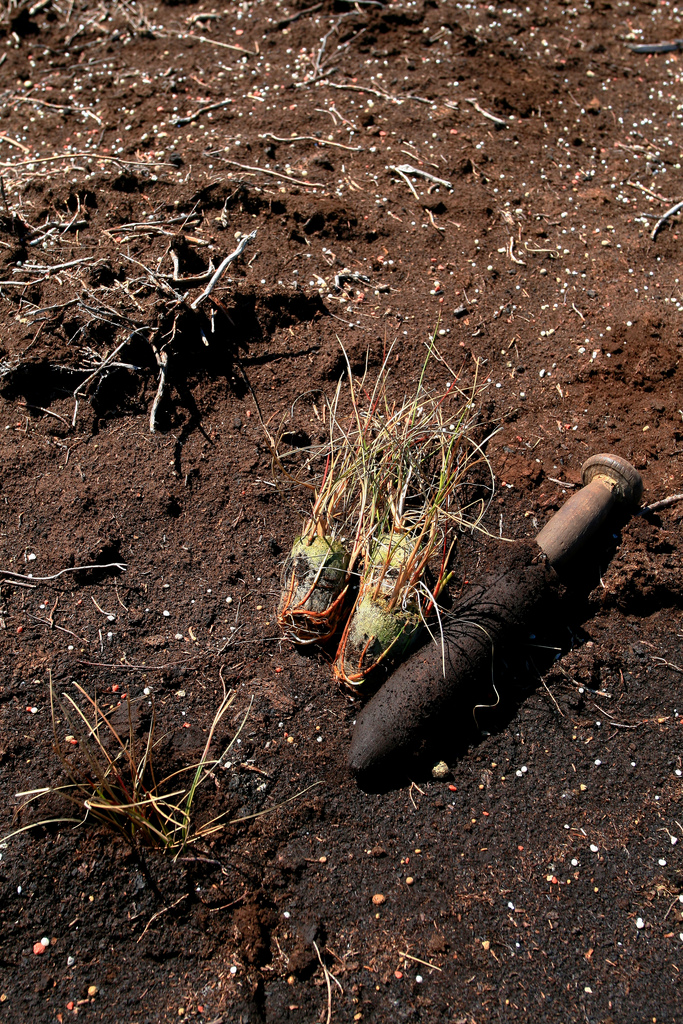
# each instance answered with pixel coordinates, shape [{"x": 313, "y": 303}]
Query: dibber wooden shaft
[{"x": 608, "y": 479}]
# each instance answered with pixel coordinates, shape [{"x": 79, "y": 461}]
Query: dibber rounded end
[{"x": 626, "y": 478}]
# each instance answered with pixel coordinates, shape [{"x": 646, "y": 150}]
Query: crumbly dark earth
[{"x": 546, "y": 866}]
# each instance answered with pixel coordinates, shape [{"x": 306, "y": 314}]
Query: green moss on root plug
[
  {"x": 374, "y": 631},
  {"x": 314, "y": 578}
]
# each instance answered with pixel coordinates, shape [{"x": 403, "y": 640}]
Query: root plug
[
  {"x": 386, "y": 617},
  {"x": 314, "y": 586}
]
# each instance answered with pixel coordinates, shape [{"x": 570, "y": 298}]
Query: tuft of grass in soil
[{"x": 113, "y": 779}]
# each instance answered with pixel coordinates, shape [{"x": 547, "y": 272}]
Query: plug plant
[{"x": 394, "y": 480}]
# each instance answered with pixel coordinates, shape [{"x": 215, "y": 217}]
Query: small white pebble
[
  {"x": 286, "y": 914},
  {"x": 147, "y": 691},
  {"x": 594, "y": 848},
  {"x": 639, "y": 923},
  {"x": 166, "y": 614},
  {"x": 678, "y": 772},
  {"x": 233, "y": 969},
  {"x": 518, "y": 774},
  {"x": 597, "y": 761},
  {"x": 319, "y": 739},
  {"x": 511, "y": 905},
  {"x": 575, "y": 862},
  {"x": 179, "y": 636},
  {"x": 524, "y": 768},
  {"x": 674, "y": 840},
  {"x": 70, "y": 961},
  {"x": 662, "y": 862},
  {"x": 45, "y": 941},
  {"x": 228, "y": 600},
  {"x": 111, "y": 618},
  {"x": 18, "y": 890},
  {"x": 418, "y": 978}
]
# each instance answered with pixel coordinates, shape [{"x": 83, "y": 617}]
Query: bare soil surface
[{"x": 540, "y": 879}]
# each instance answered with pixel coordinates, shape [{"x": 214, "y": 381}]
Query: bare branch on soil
[
  {"x": 664, "y": 218},
  {"x": 220, "y": 270}
]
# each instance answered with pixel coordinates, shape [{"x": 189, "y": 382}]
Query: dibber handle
[{"x": 607, "y": 479}]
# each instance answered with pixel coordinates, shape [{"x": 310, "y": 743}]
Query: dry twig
[
  {"x": 327, "y": 982},
  {"x": 276, "y": 174},
  {"x": 673, "y": 499},
  {"x": 418, "y": 961},
  {"x": 311, "y": 138},
  {"x": 404, "y": 169},
  {"x": 485, "y": 113},
  {"x": 122, "y": 566},
  {"x": 180, "y": 122},
  {"x": 223, "y": 266},
  {"x": 164, "y": 910},
  {"x": 162, "y": 361},
  {"x": 664, "y": 218}
]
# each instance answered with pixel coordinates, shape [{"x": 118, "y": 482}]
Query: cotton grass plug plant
[
  {"x": 421, "y": 453},
  {"x": 318, "y": 570},
  {"x": 382, "y": 520}
]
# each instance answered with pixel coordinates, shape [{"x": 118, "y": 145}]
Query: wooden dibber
[
  {"x": 607, "y": 479},
  {"x": 435, "y": 681}
]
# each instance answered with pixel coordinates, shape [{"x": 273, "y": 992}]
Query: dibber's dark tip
[
  {"x": 368, "y": 748},
  {"x": 387, "y": 725}
]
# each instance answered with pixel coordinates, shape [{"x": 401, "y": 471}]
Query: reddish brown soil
[{"x": 545, "y": 872}]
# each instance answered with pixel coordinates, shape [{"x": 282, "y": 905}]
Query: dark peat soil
[{"x": 540, "y": 879}]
